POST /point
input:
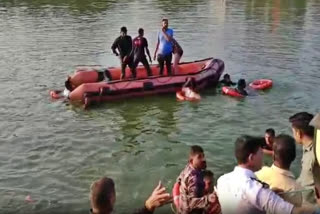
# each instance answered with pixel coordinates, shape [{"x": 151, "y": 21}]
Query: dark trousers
[
  {"x": 165, "y": 58},
  {"x": 128, "y": 63},
  {"x": 145, "y": 63}
]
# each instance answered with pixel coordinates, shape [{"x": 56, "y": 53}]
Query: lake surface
[{"x": 53, "y": 151}]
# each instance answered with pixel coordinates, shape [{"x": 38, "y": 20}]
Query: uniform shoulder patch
[{"x": 264, "y": 185}]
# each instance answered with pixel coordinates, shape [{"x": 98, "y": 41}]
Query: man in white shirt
[{"x": 240, "y": 192}]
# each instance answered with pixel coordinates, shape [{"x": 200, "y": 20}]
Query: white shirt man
[{"x": 239, "y": 191}]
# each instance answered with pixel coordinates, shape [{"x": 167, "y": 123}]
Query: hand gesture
[{"x": 158, "y": 198}]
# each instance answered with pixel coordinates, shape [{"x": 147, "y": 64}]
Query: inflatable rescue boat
[{"x": 100, "y": 85}]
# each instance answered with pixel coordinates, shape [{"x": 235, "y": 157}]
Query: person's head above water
[
  {"x": 242, "y": 83},
  {"x": 226, "y": 77},
  {"x": 269, "y": 136},
  {"x": 102, "y": 196},
  {"x": 284, "y": 148},
  {"x": 248, "y": 152},
  {"x": 165, "y": 23},
  {"x": 123, "y": 31},
  {"x": 197, "y": 158},
  {"x": 141, "y": 32}
]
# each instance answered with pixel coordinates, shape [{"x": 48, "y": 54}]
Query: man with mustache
[{"x": 192, "y": 196}]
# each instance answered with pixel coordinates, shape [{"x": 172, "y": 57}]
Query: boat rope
[{"x": 169, "y": 78}]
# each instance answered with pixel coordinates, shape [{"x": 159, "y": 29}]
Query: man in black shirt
[
  {"x": 124, "y": 45},
  {"x": 140, "y": 45}
]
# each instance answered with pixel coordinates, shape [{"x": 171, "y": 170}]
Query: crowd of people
[
  {"x": 249, "y": 188},
  {"x": 132, "y": 52}
]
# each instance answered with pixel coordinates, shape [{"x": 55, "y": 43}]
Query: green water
[{"x": 53, "y": 151}]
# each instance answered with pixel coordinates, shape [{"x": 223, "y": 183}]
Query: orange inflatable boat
[{"x": 98, "y": 85}]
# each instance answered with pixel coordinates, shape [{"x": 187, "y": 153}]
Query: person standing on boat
[
  {"x": 177, "y": 53},
  {"x": 124, "y": 45},
  {"x": 139, "y": 47},
  {"x": 165, "y": 47}
]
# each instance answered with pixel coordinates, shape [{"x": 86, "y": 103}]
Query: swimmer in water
[
  {"x": 241, "y": 87},
  {"x": 227, "y": 81}
]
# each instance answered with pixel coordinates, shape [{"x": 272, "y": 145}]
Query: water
[{"x": 53, "y": 151}]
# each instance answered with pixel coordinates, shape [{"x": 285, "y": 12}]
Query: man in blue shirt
[{"x": 165, "y": 47}]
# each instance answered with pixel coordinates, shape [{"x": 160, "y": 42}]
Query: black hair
[
  {"x": 301, "y": 122},
  {"x": 207, "y": 174},
  {"x": 101, "y": 192},
  {"x": 140, "y": 31},
  {"x": 245, "y": 146},
  {"x": 190, "y": 82},
  {"x": 284, "y": 150},
  {"x": 165, "y": 20},
  {"x": 242, "y": 83},
  {"x": 226, "y": 76},
  {"x": 194, "y": 150},
  {"x": 271, "y": 132},
  {"x": 123, "y": 29}
]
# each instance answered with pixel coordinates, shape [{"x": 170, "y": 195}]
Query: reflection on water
[
  {"x": 77, "y": 7},
  {"x": 53, "y": 151},
  {"x": 290, "y": 13}
]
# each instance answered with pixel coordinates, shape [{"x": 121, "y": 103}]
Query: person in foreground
[
  {"x": 103, "y": 197},
  {"x": 124, "y": 45},
  {"x": 269, "y": 136},
  {"x": 279, "y": 176},
  {"x": 240, "y": 192},
  {"x": 165, "y": 47},
  {"x": 140, "y": 46},
  {"x": 192, "y": 198},
  {"x": 303, "y": 135}
]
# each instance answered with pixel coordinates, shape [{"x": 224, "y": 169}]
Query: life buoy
[
  {"x": 181, "y": 95},
  {"x": 231, "y": 92},
  {"x": 176, "y": 194},
  {"x": 261, "y": 84},
  {"x": 55, "y": 94}
]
